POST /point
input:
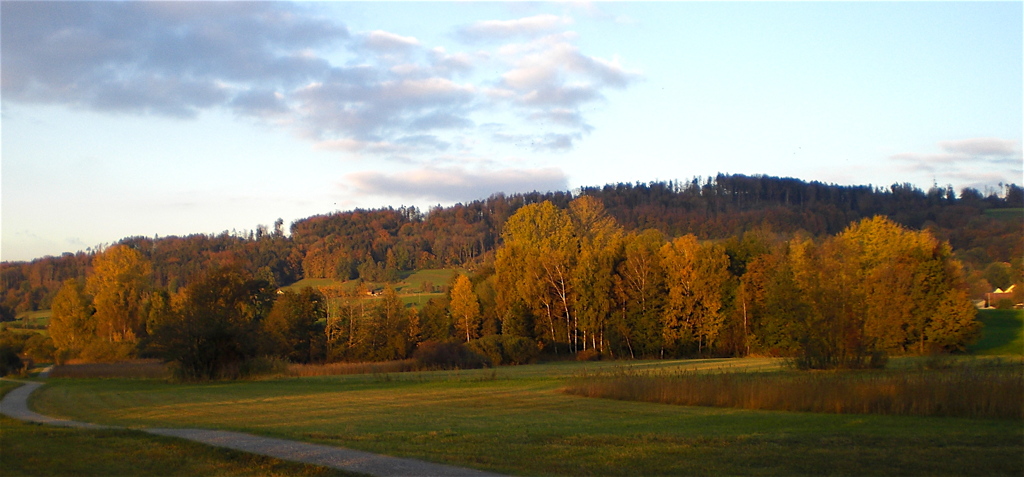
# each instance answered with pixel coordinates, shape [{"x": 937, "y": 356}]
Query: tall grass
[
  {"x": 141, "y": 369},
  {"x": 962, "y": 391},
  {"x": 333, "y": 369}
]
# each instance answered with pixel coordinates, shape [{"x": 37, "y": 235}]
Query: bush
[
  {"x": 447, "y": 355},
  {"x": 101, "y": 351},
  {"x": 10, "y": 363},
  {"x": 264, "y": 366},
  {"x": 506, "y": 349},
  {"x": 588, "y": 355},
  {"x": 40, "y": 348}
]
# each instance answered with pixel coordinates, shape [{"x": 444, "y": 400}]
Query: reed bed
[
  {"x": 964, "y": 391},
  {"x": 140, "y": 369},
  {"x": 333, "y": 369}
]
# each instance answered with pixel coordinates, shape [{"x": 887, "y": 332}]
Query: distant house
[{"x": 992, "y": 299}]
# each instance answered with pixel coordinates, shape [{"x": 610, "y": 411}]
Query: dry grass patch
[
  {"x": 971, "y": 391},
  {"x": 139, "y": 369},
  {"x": 337, "y": 369}
]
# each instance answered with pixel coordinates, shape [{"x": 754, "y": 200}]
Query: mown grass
[
  {"x": 1002, "y": 333},
  {"x": 438, "y": 277},
  {"x": 515, "y": 420},
  {"x": 37, "y": 450},
  {"x": 982, "y": 390}
]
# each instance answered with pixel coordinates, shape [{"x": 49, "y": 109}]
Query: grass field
[
  {"x": 36, "y": 450},
  {"x": 409, "y": 287},
  {"x": 516, "y": 420},
  {"x": 1002, "y": 333},
  {"x": 36, "y": 321}
]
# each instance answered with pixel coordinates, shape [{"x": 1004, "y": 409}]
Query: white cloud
[
  {"x": 456, "y": 184},
  {"x": 982, "y": 146},
  {"x": 976, "y": 162},
  {"x": 386, "y": 42},
  {"x": 521, "y": 27}
]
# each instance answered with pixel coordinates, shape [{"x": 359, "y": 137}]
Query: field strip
[{"x": 15, "y": 405}]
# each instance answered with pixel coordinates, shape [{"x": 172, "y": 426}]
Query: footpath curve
[{"x": 15, "y": 405}]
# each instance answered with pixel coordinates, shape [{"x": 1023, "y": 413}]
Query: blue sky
[{"x": 132, "y": 118}]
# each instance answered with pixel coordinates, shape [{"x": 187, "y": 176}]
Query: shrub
[
  {"x": 100, "y": 351},
  {"x": 506, "y": 349},
  {"x": 264, "y": 366},
  {"x": 588, "y": 355},
  {"x": 10, "y": 363},
  {"x": 447, "y": 355},
  {"x": 40, "y": 348}
]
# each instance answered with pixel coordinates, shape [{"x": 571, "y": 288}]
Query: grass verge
[{"x": 515, "y": 420}]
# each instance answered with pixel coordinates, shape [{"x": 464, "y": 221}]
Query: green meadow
[
  {"x": 37, "y": 450},
  {"x": 515, "y": 420},
  {"x": 1002, "y": 333},
  {"x": 518, "y": 420}
]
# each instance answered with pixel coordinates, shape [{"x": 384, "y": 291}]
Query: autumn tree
[
  {"x": 695, "y": 275},
  {"x": 295, "y": 326},
  {"x": 215, "y": 325},
  {"x": 534, "y": 266},
  {"x": 914, "y": 290},
  {"x": 465, "y": 307},
  {"x": 599, "y": 240},
  {"x": 71, "y": 324},
  {"x": 118, "y": 284},
  {"x": 346, "y": 320},
  {"x": 389, "y": 329},
  {"x": 771, "y": 304},
  {"x": 638, "y": 285}
]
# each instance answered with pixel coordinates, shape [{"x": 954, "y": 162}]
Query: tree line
[
  {"x": 376, "y": 245},
  {"x": 565, "y": 281}
]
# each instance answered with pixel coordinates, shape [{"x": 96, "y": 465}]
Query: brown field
[{"x": 140, "y": 368}]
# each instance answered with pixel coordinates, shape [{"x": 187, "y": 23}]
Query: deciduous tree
[{"x": 465, "y": 308}]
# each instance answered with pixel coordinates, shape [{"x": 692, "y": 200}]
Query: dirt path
[{"x": 15, "y": 405}]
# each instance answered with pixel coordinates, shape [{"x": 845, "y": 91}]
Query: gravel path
[{"x": 15, "y": 405}]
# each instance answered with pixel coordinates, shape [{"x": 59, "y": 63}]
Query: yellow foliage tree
[
  {"x": 119, "y": 283},
  {"x": 695, "y": 275},
  {"x": 465, "y": 307},
  {"x": 71, "y": 324}
]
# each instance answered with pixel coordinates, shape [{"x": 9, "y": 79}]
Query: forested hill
[{"x": 377, "y": 244}]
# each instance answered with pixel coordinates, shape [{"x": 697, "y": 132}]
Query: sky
[{"x": 154, "y": 119}]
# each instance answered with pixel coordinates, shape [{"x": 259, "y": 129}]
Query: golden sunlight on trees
[
  {"x": 695, "y": 275},
  {"x": 118, "y": 285},
  {"x": 71, "y": 324},
  {"x": 848, "y": 300},
  {"x": 465, "y": 307},
  {"x": 104, "y": 319}
]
